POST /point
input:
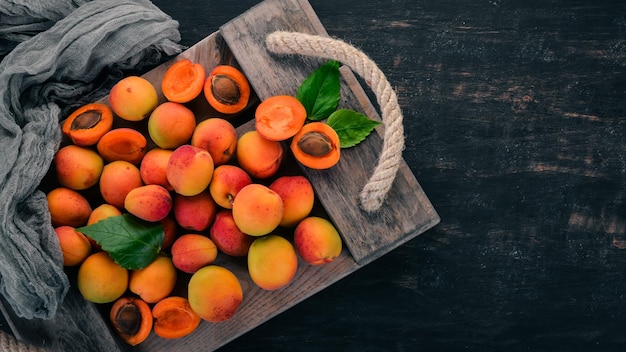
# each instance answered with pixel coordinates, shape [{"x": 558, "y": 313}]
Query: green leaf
[
  {"x": 351, "y": 126},
  {"x": 320, "y": 91},
  {"x": 131, "y": 242}
]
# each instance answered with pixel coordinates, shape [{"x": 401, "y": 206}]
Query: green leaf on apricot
[
  {"x": 352, "y": 127},
  {"x": 131, "y": 242},
  {"x": 320, "y": 91}
]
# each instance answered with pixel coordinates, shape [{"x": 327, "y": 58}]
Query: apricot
[
  {"x": 261, "y": 158},
  {"x": 226, "y": 182},
  {"x": 170, "y": 231},
  {"x": 101, "y": 212},
  {"x": 68, "y": 207},
  {"x": 218, "y": 137},
  {"x": 87, "y": 124},
  {"x": 100, "y": 279},
  {"x": 171, "y": 125},
  {"x": 316, "y": 146},
  {"x": 133, "y": 98},
  {"x": 227, "y": 236},
  {"x": 279, "y": 117},
  {"x": 272, "y": 262},
  {"x": 118, "y": 178},
  {"x": 78, "y": 167},
  {"x": 257, "y": 210},
  {"x": 195, "y": 212},
  {"x": 190, "y": 252},
  {"x": 189, "y": 170},
  {"x": 155, "y": 281},
  {"x": 317, "y": 240},
  {"x": 174, "y": 318},
  {"x": 214, "y": 293},
  {"x": 298, "y": 198},
  {"x": 183, "y": 81},
  {"x": 123, "y": 144},
  {"x": 74, "y": 245},
  {"x": 227, "y": 90},
  {"x": 153, "y": 166},
  {"x": 132, "y": 320},
  {"x": 150, "y": 202}
]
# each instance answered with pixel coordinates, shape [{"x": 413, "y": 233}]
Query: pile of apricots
[{"x": 213, "y": 191}]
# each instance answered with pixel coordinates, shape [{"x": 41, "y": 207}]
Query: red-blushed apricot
[
  {"x": 171, "y": 125},
  {"x": 316, "y": 146},
  {"x": 78, "y": 167},
  {"x": 183, "y": 81},
  {"x": 226, "y": 182},
  {"x": 228, "y": 237},
  {"x": 118, "y": 178},
  {"x": 68, "y": 207},
  {"x": 279, "y": 117},
  {"x": 174, "y": 318},
  {"x": 150, "y": 202},
  {"x": 317, "y": 240},
  {"x": 132, "y": 319},
  {"x": 100, "y": 279},
  {"x": 214, "y": 293},
  {"x": 74, "y": 245},
  {"x": 195, "y": 213},
  {"x": 87, "y": 124},
  {"x": 261, "y": 158},
  {"x": 272, "y": 262},
  {"x": 189, "y": 170},
  {"x": 298, "y": 198},
  {"x": 257, "y": 210},
  {"x": 101, "y": 212},
  {"x": 170, "y": 231},
  {"x": 192, "y": 251},
  {"x": 133, "y": 98},
  {"x": 227, "y": 89},
  {"x": 123, "y": 144},
  {"x": 155, "y": 281},
  {"x": 218, "y": 137},
  {"x": 153, "y": 166}
]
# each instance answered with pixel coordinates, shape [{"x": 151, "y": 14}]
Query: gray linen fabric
[{"x": 75, "y": 60}]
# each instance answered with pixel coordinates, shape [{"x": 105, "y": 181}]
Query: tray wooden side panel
[{"x": 407, "y": 211}]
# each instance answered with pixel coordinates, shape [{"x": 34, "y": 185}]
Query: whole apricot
[
  {"x": 153, "y": 166},
  {"x": 272, "y": 262},
  {"x": 171, "y": 125},
  {"x": 77, "y": 167},
  {"x": 317, "y": 240},
  {"x": 170, "y": 231},
  {"x": 214, "y": 293},
  {"x": 228, "y": 237},
  {"x": 68, "y": 207},
  {"x": 218, "y": 137},
  {"x": 155, "y": 281},
  {"x": 101, "y": 212},
  {"x": 133, "y": 98},
  {"x": 260, "y": 157},
  {"x": 190, "y": 252},
  {"x": 257, "y": 210},
  {"x": 189, "y": 170},
  {"x": 100, "y": 279},
  {"x": 74, "y": 245},
  {"x": 117, "y": 180},
  {"x": 226, "y": 182},
  {"x": 298, "y": 198},
  {"x": 131, "y": 318},
  {"x": 195, "y": 212},
  {"x": 174, "y": 318},
  {"x": 150, "y": 202}
]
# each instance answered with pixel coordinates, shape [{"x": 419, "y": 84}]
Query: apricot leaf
[
  {"x": 320, "y": 91},
  {"x": 131, "y": 242},
  {"x": 352, "y": 127}
]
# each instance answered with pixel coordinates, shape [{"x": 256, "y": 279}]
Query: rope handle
[{"x": 374, "y": 192}]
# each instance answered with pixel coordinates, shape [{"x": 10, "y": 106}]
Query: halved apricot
[
  {"x": 123, "y": 144},
  {"x": 279, "y": 117},
  {"x": 227, "y": 89},
  {"x": 316, "y": 146},
  {"x": 183, "y": 81},
  {"x": 132, "y": 319},
  {"x": 174, "y": 318},
  {"x": 87, "y": 124}
]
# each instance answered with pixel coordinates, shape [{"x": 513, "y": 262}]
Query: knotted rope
[{"x": 374, "y": 192}]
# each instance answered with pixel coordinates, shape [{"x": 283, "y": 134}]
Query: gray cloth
[{"x": 75, "y": 60}]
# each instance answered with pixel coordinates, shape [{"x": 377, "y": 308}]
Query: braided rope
[{"x": 374, "y": 192}]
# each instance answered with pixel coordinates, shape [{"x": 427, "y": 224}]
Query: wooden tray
[{"x": 81, "y": 326}]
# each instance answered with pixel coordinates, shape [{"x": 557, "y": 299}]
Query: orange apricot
[
  {"x": 193, "y": 251},
  {"x": 316, "y": 146},
  {"x": 259, "y": 157},
  {"x": 279, "y": 117},
  {"x": 155, "y": 281},
  {"x": 298, "y": 198},
  {"x": 195, "y": 212},
  {"x": 227, "y": 89},
  {"x": 68, "y": 207},
  {"x": 150, "y": 202},
  {"x": 87, "y": 124},
  {"x": 118, "y": 178},
  {"x": 174, "y": 318},
  {"x": 183, "y": 81},
  {"x": 171, "y": 125},
  {"x": 132, "y": 320},
  {"x": 214, "y": 293},
  {"x": 218, "y": 137},
  {"x": 317, "y": 240},
  {"x": 74, "y": 245},
  {"x": 78, "y": 167},
  {"x": 123, "y": 144},
  {"x": 100, "y": 279},
  {"x": 153, "y": 166},
  {"x": 133, "y": 98}
]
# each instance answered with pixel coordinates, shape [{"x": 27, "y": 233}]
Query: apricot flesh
[
  {"x": 78, "y": 167},
  {"x": 257, "y": 210},
  {"x": 100, "y": 279},
  {"x": 174, "y": 318},
  {"x": 87, "y": 124},
  {"x": 133, "y": 98},
  {"x": 131, "y": 318},
  {"x": 155, "y": 281},
  {"x": 272, "y": 262},
  {"x": 214, "y": 293},
  {"x": 123, "y": 144},
  {"x": 317, "y": 240}
]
